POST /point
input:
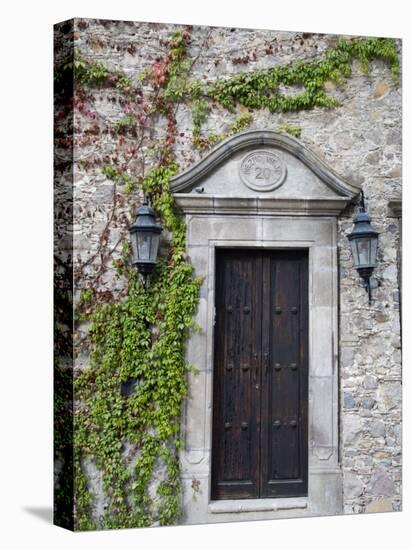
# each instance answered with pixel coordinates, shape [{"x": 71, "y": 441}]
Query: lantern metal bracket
[
  {"x": 369, "y": 291},
  {"x": 369, "y": 284},
  {"x": 366, "y": 282},
  {"x": 144, "y": 277},
  {"x": 362, "y": 200},
  {"x": 147, "y": 198}
]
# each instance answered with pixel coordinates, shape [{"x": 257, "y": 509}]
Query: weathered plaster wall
[{"x": 360, "y": 139}]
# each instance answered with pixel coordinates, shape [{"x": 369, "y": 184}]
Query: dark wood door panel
[
  {"x": 284, "y": 389},
  {"x": 260, "y": 375},
  {"x": 236, "y": 414}
]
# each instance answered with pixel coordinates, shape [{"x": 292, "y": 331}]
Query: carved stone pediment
[{"x": 264, "y": 172}]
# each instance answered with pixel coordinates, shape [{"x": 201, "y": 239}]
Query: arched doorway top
[{"x": 277, "y": 156}]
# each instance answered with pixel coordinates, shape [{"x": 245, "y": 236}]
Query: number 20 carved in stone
[{"x": 263, "y": 170}]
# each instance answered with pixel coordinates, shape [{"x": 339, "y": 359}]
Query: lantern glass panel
[
  {"x": 364, "y": 251},
  {"x": 364, "y": 248},
  {"x": 354, "y": 253},
  {"x": 155, "y": 237},
  {"x": 374, "y": 248},
  {"x": 144, "y": 239},
  {"x": 134, "y": 247}
]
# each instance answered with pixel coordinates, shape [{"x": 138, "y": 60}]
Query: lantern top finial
[
  {"x": 362, "y": 226},
  {"x": 146, "y": 218}
]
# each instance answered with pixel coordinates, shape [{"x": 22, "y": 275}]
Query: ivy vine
[
  {"x": 306, "y": 81},
  {"x": 261, "y": 88},
  {"x": 138, "y": 342},
  {"x": 140, "y": 338}
]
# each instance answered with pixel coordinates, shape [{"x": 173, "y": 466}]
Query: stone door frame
[{"x": 263, "y": 221}]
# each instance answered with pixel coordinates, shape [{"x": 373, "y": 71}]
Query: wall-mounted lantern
[
  {"x": 145, "y": 236},
  {"x": 364, "y": 245}
]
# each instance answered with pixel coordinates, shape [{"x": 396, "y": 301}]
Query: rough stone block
[
  {"x": 368, "y": 403},
  {"x": 380, "y": 505},
  {"x": 381, "y": 483},
  {"x": 352, "y": 429},
  {"x": 381, "y": 88},
  {"x": 391, "y": 273},
  {"x": 389, "y": 396},
  {"x": 353, "y": 485},
  {"x": 348, "y": 400},
  {"x": 377, "y": 428},
  {"x": 370, "y": 382}
]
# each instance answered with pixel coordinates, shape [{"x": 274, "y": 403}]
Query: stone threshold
[{"x": 256, "y": 505}]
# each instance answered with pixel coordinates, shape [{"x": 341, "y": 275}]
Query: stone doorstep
[{"x": 256, "y": 505}]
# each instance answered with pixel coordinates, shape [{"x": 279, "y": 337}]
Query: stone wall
[{"x": 360, "y": 139}]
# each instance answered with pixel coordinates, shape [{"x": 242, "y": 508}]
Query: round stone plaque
[{"x": 263, "y": 170}]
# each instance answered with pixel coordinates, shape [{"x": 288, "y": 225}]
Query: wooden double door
[{"x": 260, "y": 380}]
